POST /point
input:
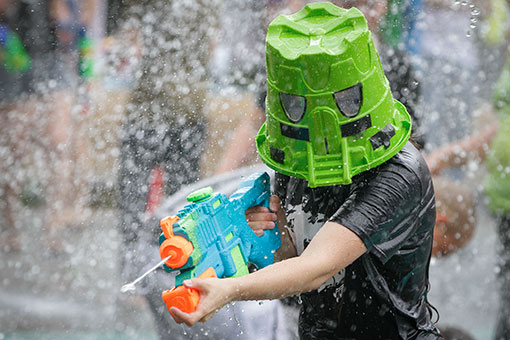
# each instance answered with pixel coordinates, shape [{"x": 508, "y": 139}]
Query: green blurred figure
[
  {"x": 497, "y": 189},
  {"x": 12, "y": 52}
]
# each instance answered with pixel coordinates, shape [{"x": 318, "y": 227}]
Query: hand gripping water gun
[{"x": 210, "y": 238}]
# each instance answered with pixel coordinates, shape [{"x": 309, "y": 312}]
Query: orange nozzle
[
  {"x": 184, "y": 298},
  {"x": 175, "y": 246},
  {"x": 178, "y": 248}
]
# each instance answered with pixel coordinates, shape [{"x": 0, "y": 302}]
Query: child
[{"x": 357, "y": 195}]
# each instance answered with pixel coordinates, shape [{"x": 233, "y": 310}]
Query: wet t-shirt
[{"x": 381, "y": 295}]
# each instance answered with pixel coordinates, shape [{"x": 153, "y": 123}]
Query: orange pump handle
[
  {"x": 184, "y": 298},
  {"x": 167, "y": 225}
]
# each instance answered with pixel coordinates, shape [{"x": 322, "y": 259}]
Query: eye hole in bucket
[
  {"x": 294, "y": 106},
  {"x": 349, "y": 100}
]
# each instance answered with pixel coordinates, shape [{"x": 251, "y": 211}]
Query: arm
[
  {"x": 332, "y": 249},
  {"x": 459, "y": 153}
]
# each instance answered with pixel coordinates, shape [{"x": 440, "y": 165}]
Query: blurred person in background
[
  {"x": 67, "y": 195},
  {"x": 37, "y": 98},
  {"x": 497, "y": 189},
  {"x": 490, "y": 144},
  {"x": 15, "y": 65}
]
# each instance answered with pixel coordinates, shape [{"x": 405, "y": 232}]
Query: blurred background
[{"x": 112, "y": 110}]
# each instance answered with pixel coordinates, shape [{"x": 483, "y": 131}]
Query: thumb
[{"x": 195, "y": 283}]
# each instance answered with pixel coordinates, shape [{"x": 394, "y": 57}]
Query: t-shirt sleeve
[{"x": 383, "y": 210}]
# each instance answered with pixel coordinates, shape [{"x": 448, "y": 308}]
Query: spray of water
[{"x": 129, "y": 287}]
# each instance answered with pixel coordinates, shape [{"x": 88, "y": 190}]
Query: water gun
[
  {"x": 210, "y": 237},
  {"x": 12, "y": 52}
]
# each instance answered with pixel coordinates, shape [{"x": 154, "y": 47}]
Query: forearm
[
  {"x": 331, "y": 250},
  {"x": 285, "y": 278},
  {"x": 459, "y": 153}
]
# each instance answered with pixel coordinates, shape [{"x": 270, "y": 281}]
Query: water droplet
[{"x": 468, "y": 34}]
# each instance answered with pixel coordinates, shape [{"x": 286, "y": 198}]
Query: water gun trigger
[{"x": 184, "y": 298}]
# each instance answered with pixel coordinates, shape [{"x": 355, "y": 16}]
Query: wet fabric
[{"x": 382, "y": 295}]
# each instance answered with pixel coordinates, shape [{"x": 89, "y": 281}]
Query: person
[
  {"x": 491, "y": 145},
  {"x": 15, "y": 65},
  {"x": 497, "y": 188},
  {"x": 354, "y": 198},
  {"x": 37, "y": 83}
]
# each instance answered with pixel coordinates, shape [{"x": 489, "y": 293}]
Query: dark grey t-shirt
[{"x": 382, "y": 295}]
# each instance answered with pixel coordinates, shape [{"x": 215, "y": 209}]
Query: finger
[
  {"x": 255, "y": 217},
  {"x": 176, "y": 314},
  {"x": 274, "y": 203},
  {"x": 197, "y": 283},
  {"x": 258, "y": 232},
  {"x": 180, "y": 317},
  {"x": 257, "y": 208},
  {"x": 260, "y": 227}
]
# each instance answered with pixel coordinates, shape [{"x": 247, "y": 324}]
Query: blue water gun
[{"x": 210, "y": 237}]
